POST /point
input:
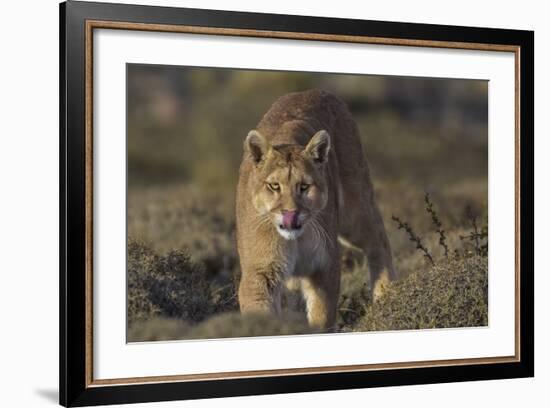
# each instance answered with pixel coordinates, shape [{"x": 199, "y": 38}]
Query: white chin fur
[{"x": 290, "y": 235}]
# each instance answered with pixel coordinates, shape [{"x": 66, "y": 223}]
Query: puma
[{"x": 303, "y": 182}]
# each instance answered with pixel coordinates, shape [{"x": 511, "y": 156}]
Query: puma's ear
[
  {"x": 256, "y": 145},
  {"x": 319, "y": 147}
]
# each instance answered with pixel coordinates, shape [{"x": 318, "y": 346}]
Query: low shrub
[
  {"x": 453, "y": 293},
  {"x": 173, "y": 286}
]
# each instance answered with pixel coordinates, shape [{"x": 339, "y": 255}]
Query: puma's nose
[{"x": 290, "y": 220}]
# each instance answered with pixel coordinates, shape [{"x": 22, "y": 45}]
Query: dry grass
[
  {"x": 450, "y": 294},
  {"x": 186, "y": 127},
  {"x": 173, "y": 295},
  {"x": 172, "y": 286},
  {"x": 224, "y": 325}
]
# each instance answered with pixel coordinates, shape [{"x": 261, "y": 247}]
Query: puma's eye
[
  {"x": 304, "y": 187},
  {"x": 274, "y": 186}
]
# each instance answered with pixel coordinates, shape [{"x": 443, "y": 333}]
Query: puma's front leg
[
  {"x": 260, "y": 290},
  {"x": 321, "y": 294}
]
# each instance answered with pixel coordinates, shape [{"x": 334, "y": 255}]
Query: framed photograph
[{"x": 256, "y": 204}]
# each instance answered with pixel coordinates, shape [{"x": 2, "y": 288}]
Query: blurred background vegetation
[{"x": 185, "y": 129}]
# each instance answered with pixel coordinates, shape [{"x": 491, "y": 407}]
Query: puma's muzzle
[{"x": 290, "y": 220}]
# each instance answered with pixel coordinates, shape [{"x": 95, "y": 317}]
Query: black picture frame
[{"x": 75, "y": 389}]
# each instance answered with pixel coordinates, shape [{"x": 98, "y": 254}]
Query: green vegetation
[{"x": 185, "y": 132}]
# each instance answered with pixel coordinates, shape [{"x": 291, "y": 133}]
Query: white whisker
[
  {"x": 259, "y": 222},
  {"x": 322, "y": 233}
]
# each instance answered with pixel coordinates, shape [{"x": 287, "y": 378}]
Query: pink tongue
[{"x": 290, "y": 219}]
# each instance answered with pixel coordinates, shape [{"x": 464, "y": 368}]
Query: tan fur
[{"x": 305, "y": 155}]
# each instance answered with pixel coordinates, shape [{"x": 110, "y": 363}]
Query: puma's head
[{"x": 289, "y": 181}]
